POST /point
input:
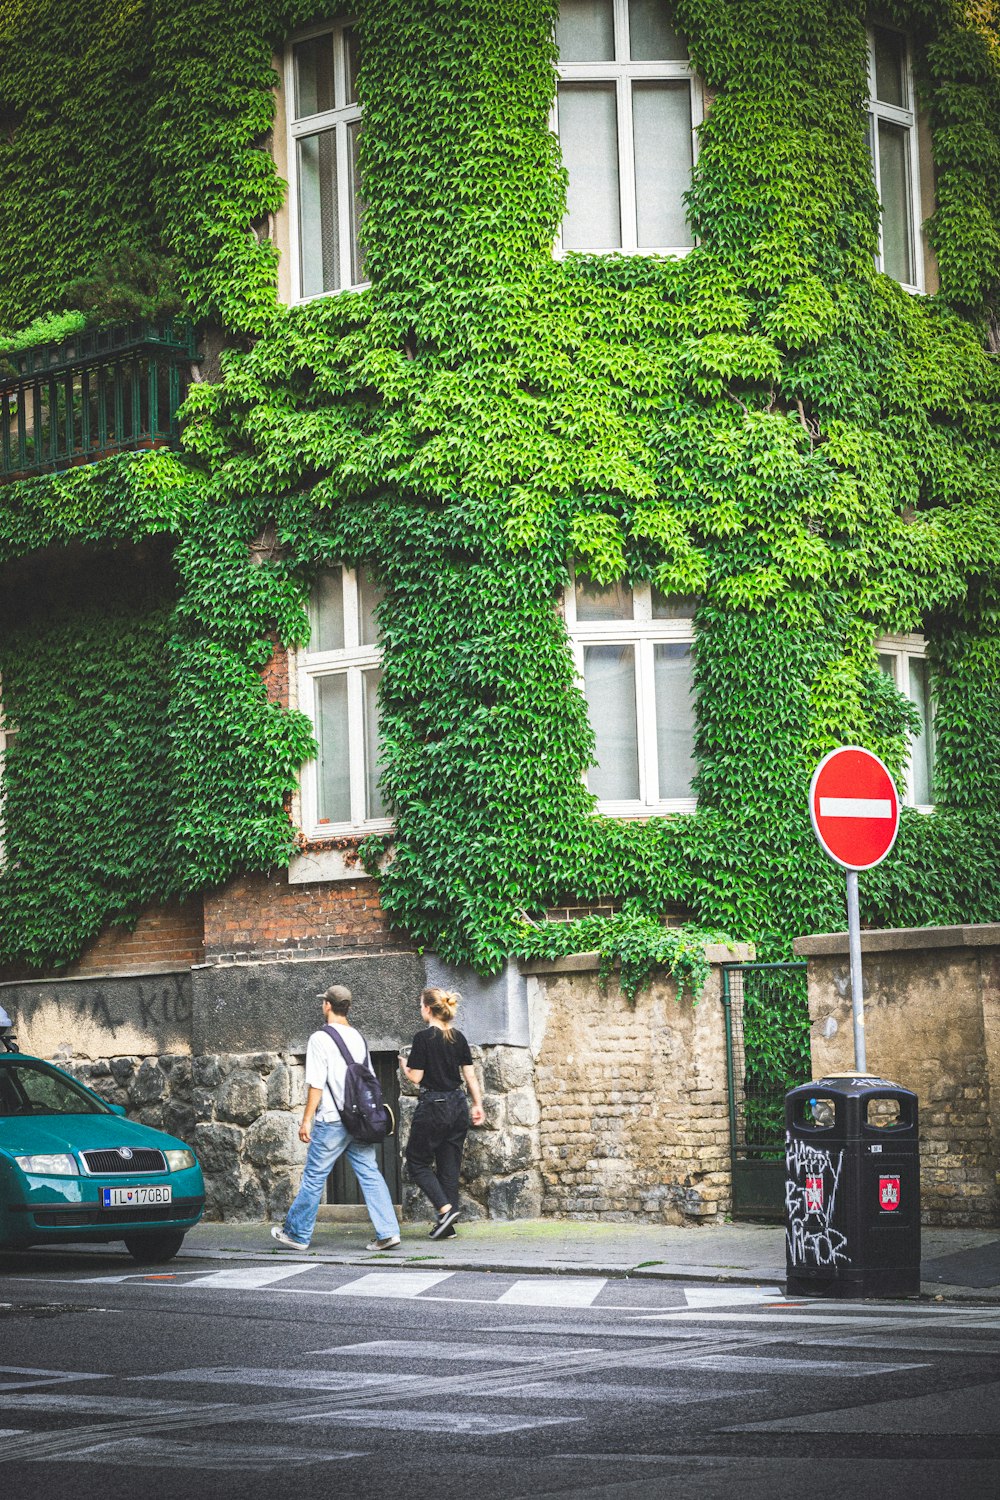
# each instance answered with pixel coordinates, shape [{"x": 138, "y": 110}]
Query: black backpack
[{"x": 365, "y": 1114}]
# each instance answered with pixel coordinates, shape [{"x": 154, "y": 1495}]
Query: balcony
[{"x": 107, "y": 391}]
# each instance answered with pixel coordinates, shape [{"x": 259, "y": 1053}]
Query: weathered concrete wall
[
  {"x": 99, "y": 1016},
  {"x": 932, "y": 1023},
  {"x": 632, "y": 1099},
  {"x": 215, "y": 1055},
  {"x": 593, "y": 1107}
]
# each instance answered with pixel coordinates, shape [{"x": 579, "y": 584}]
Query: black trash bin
[{"x": 852, "y": 1189}]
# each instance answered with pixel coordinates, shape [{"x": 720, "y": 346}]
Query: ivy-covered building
[{"x": 462, "y": 464}]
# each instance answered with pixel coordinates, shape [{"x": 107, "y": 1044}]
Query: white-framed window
[
  {"x": 338, "y": 679},
  {"x": 892, "y": 140},
  {"x": 634, "y": 655},
  {"x": 627, "y": 112},
  {"x": 903, "y": 659},
  {"x": 325, "y": 202}
]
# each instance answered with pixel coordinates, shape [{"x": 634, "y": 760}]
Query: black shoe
[
  {"x": 444, "y": 1223},
  {"x": 447, "y": 1234}
]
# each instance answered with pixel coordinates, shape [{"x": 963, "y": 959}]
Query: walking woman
[{"x": 438, "y": 1062}]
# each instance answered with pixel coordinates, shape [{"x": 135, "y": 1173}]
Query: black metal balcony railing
[{"x": 95, "y": 394}]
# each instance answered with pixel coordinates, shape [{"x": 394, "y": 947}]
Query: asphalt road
[{"x": 272, "y": 1380}]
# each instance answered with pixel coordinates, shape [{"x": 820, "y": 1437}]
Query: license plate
[{"x": 134, "y": 1197}]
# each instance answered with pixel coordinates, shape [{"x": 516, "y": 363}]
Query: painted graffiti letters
[{"x": 812, "y": 1176}]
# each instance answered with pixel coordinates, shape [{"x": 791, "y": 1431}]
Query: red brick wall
[
  {"x": 263, "y": 916},
  {"x": 275, "y": 674},
  {"x": 172, "y": 934}
]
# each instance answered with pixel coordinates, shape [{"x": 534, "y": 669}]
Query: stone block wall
[
  {"x": 632, "y": 1099},
  {"x": 594, "y": 1108},
  {"x": 500, "y": 1169},
  {"x": 241, "y": 1113},
  {"x": 932, "y": 1023}
]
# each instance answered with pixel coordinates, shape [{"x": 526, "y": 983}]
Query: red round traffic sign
[{"x": 854, "y": 807}]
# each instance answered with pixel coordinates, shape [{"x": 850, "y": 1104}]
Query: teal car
[{"x": 73, "y": 1168}]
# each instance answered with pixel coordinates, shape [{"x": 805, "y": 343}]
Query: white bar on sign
[{"x": 855, "y": 807}]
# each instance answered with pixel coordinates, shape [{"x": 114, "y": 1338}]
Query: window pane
[
  {"x": 585, "y": 31},
  {"x": 314, "y": 76},
  {"x": 890, "y": 67},
  {"x": 596, "y": 603},
  {"x": 661, "y": 123},
  {"x": 894, "y": 170},
  {"x": 588, "y": 134},
  {"x": 922, "y": 751},
  {"x": 333, "y": 770},
  {"x": 326, "y": 611},
  {"x": 351, "y": 64},
  {"x": 374, "y": 806},
  {"x": 369, "y": 598},
  {"x": 652, "y": 36},
  {"x": 319, "y": 232},
  {"x": 609, "y": 685},
  {"x": 887, "y": 664},
  {"x": 675, "y": 720},
  {"x": 673, "y": 606},
  {"x": 356, "y": 202}
]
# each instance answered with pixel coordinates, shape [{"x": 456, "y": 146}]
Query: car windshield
[{"x": 32, "y": 1088}]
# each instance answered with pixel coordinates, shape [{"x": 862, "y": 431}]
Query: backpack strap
[{"x": 345, "y": 1051}]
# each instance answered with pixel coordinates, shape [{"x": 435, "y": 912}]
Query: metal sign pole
[{"x": 857, "y": 997}]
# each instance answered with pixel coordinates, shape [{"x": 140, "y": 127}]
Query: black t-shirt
[{"x": 440, "y": 1059}]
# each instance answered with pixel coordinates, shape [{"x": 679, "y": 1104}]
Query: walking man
[{"x": 324, "y": 1133}]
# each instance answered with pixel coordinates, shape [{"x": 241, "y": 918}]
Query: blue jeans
[{"x": 329, "y": 1141}]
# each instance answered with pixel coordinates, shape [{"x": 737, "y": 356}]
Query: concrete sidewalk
[{"x": 957, "y": 1263}]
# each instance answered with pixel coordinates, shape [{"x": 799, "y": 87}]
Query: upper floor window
[
  {"x": 903, "y": 659},
  {"x": 324, "y": 135},
  {"x": 633, "y": 648},
  {"x": 892, "y": 139},
  {"x": 339, "y": 675},
  {"x": 626, "y": 113}
]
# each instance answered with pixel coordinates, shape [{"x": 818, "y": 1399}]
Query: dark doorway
[{"x": 342, "y": 1185}]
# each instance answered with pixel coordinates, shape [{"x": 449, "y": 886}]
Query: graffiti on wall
[{"x": 812, "y": 1177}]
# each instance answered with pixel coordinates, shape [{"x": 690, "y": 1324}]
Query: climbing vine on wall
[{"x": 766, "y": 423}]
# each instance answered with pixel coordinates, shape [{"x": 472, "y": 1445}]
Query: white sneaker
[
  {"x": 289, "y": 1244},
  {"x": 389, "y": 1243}
]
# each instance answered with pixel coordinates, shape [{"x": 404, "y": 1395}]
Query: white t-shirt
[{"x": 324, "y": 1064}]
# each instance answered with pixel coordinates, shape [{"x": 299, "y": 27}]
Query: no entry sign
[{"x": 854, "y": 808}]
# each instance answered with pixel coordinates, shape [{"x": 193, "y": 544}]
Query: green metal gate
[{"x": 767, "y": 1040}]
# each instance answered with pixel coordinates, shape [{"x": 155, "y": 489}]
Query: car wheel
[{"x": 155, "y": 1247}]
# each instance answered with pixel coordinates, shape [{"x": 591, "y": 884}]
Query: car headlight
[
  {"x": 49, "y": 1166},
  {"x": 178, "y": 1160}
]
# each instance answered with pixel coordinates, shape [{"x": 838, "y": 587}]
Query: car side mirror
[{"x": 117, "y": 1109}]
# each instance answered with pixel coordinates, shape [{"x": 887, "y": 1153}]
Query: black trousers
[{"x": 434, "y": 1149}]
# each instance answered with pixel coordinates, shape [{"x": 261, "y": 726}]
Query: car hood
[{"x": 44, "y": 1134}]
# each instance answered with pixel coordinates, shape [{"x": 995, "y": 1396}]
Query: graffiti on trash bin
[{"x": 812, "y": 1176}]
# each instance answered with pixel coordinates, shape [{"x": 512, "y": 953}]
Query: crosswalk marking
[
  {"x": 108, "y": 1406},
  {"x": 283, "y": 1380},
  {"x": 654, "y": 1395},
  {"x": 13, "y": 1378},
  {"x": 11, "y": 1432},
  {"x": 426, "y": 1349},
  {"x": 536, "y": 1291},
  {"x": 773, "y": 1364},
  {"x": 392, "y": 1284},
  {"x": 165, "y": 1453},
  {"x": 249, "y": 1278},
  {"x": 471, "y": 1424},
  {"x": 730, "y": 1296}
]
